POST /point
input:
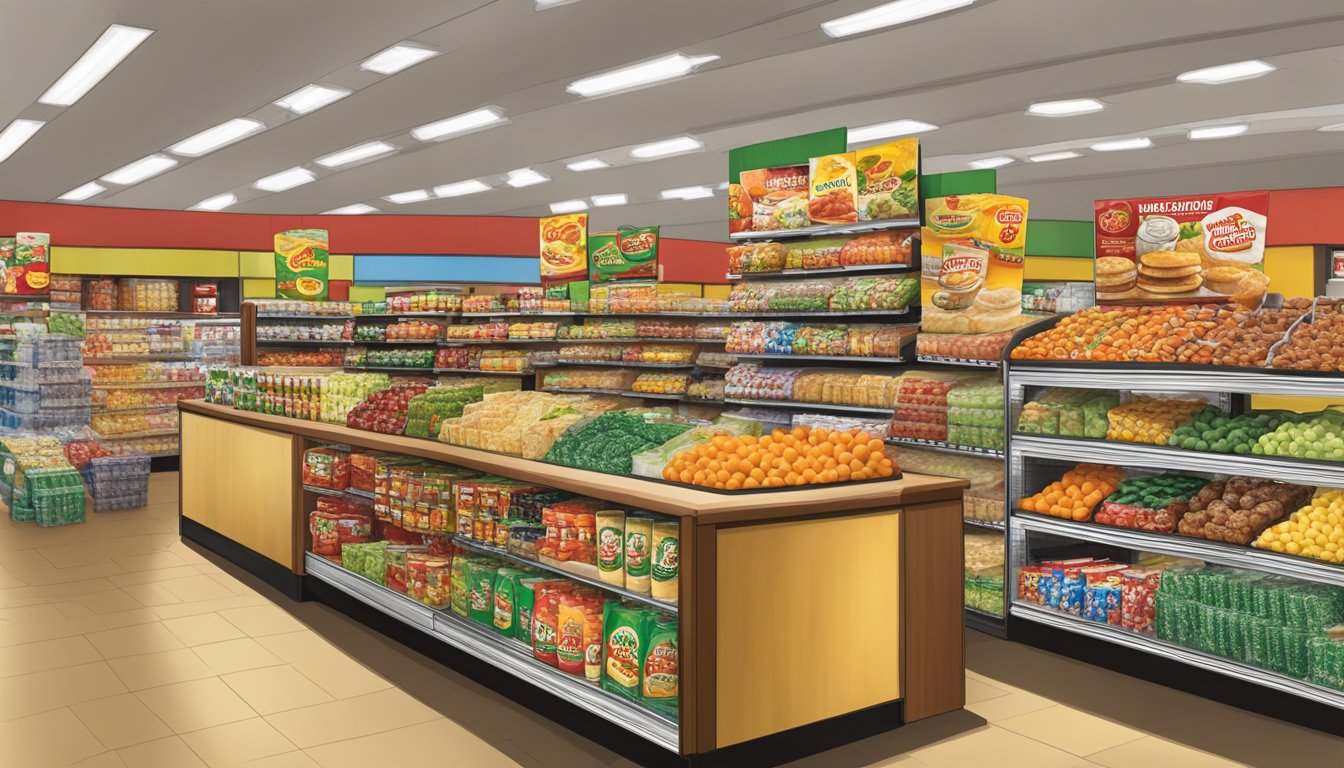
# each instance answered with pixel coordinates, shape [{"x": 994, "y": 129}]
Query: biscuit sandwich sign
[
  {"x": 1197, "y": 247},
  {"x": 972, "y": 249}
]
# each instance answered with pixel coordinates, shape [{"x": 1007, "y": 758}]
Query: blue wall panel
[{"x": 390, "y": 269}]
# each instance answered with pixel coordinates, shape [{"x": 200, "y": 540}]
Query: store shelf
[
  {"x": 492, "y": 648},
  {"x": 623, "y": 364},
  {"x": 993, "y": 525},
  {"x": 942, "y": 447},
  {"x": 133, "y": 435},
  {"x": 504, "y": 554},
  {"x": 278, "y": 316},
  {"x": 478, "y": 372},
  {"x": 1140, "y": 377},
  {"x": 33, "y": 297},
  {"x": 641, "y": 340},
  {"x": 333, "y": 492},
  {"x": 396, "y": 315},
  {"x": 200, "y": 384},
  {"x": 827, "y": 229},
  {"x": 856, "y": 269},
  {"x": 1289, "y": 470},
  {"x": 305, "y": 342},
  {"x": 160, "y": 315},
  {"x": 963, "y": 361},
  {"x": 1151, "y": 644},
  {"x": 490, "y": 342},
  {"x": 387, "y": 369},
  {"x": 852, "y": 359},
  {"x": 801, "y": 406},
  {"x": 143, "y": 408},
  {"x": 1174, "y": 544},
  {"x": 487, "y": 315},
  {"x": 984, "y": 622},
  {"x": 620, "y": 392},
  {"x": 132, "y": 359},
  {"x": 360, "y": 493},
  {"x": 395, "y": 342}
]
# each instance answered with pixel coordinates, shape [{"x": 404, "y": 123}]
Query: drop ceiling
[{"x": 972, "y": 72}]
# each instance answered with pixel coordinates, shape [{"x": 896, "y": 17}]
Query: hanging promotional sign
[
  {"x": 1189, "y": 248},
  {"x": 302, "y": 264},
  {"x": 629, "y": 253},
  {"x": 973, "y": 249},
  {"x": 25, "y": 261},
  {"x": 564, "y": 248}
]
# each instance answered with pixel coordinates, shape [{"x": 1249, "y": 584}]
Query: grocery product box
[{"x": 778, "y": 197}]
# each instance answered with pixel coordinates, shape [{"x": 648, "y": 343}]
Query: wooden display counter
[{"x": 807, "y": 617}]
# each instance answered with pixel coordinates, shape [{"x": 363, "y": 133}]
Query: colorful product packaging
[
  {"x": 564, "y": 248},
  {"x": 971, "y": 272},
  {"x": 611, "y": 546},
  {"x": 27, "y": 270},
  {"x": 626, "y": 632},
  {"x": 301, "y": 264},
  {"x": 888, "y": 178},
  {"x": 638, "y": 544},
  {"x": 660, "y": 666},
  {"x": 833, "y": 193},
  {"x": 778, "y": 197},
  {"x": 664, "y": 570}
]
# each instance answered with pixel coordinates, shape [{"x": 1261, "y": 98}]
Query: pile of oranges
[
  {"x": 1075, "y": 495},
  {"x": 801, "y": 456}
]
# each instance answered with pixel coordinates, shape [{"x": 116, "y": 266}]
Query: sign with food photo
[
  {"x": 972, "y": 250},
  {"x": 777, "y": 198},
  {"x": 1160, "y": 249},
  {"x": 301, "y": 264},
  {"x": 630, "y": 253},
  {"x": 833, "y": 192},
  {"x": 564, "y": 248},
  {"x": 888, "y": 177}
]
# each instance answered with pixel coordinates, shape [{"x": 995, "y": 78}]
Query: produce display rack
[
  {"x": 827, "y": 230},
  {"x": 856, "y": 269},
  {"x": 968, "y": 362},
  {"x": 795, "y": 405},
  {"x": 945, "y": 447}
]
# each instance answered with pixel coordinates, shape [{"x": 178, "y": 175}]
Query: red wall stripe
[{"x": 1306, "y": 217}]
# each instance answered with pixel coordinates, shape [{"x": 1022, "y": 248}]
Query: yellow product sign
[
  {"x": 972, "y": 250},
  {"x": 564, "y": 248},
  {"x": 302, "y": 264},
  {"x": 888, "y": 177},
  {"x": 833, "y": 192}
]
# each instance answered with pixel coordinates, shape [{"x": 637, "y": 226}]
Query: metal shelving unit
[
  {"x": 945, "y": 447},
  {"x": 826, "y": 230},
  {"x": 795, "y": 405},
  {"x": 854, "y": 269}
]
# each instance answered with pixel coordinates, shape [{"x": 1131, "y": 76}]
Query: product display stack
[{"x": 43, "y": 387}]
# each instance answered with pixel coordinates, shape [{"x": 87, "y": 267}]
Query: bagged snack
[
  {"x": 457, "y": 586},
  {"x": 301, "y": 264},
  {"x": 626, "y": 632},
  {"x": 592, "y": 641},
  {"x": 665, "y": 567},
  {"x": 480, "y": 575},
  {"x": 833, "y": 195},
  {"x": 506, "y": 600},
  {"x": 546, "y": 627},
  {"x": 660, "y": 687},
  {"x": 570, "y": 649},
  {"x": 364, "y": 560},
  {"x": 638, "y": 540},
  {"x": 330, "y": 530},
  {"x": 611, "y": 546}
]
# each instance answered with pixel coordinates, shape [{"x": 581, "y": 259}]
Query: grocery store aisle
[{"x": 122, "y": 647}]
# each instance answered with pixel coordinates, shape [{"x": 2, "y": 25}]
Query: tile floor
[{"x": 121, "y": 647}]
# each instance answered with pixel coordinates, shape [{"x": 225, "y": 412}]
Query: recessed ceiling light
[
  {"x": 279, "y": 182},
  {"x": 1065, "y": 107},
  {"x": 724, "y": 185},
  {"x": 216, "y": 203},
  {"x": 414, "y": 196},
  {"x": 221, "y": 135},
  {"x": 312, "y": 97},
  {"x": 355, "y": 154},
  {"x": 1052, "y": 156},
  {"x": 458, "y": 125},
  {"x": 591, "y": 164},
  {"x": 891, "y": 14},
  {"x": 460, "y": 188},
  {"x": 887, "y": 130},
  {"x": 526, "y": 177},
  {"x": 1226, "y": 73},
  {"x": 544, "y": 4},
  {"x": 991, "y": 162},
  {"x": 604, "y": 201},
  {"x": 358, "y": 209},
  {"x": 686, "y": 193},
  {"x": 15, "y": 135},
  {"x": 397, "y": 58},
  {"x": 1121, "y": 145},
  {"x": 1217, "y": 131},
  {"x": 1333, "y": 127},
  {"x": 114, "y": 45},
  {"x": 83, "y": 192},
  {"x": 141, "y": 169},
  {"x": 636, "y": 75},
  {"x": 668, "y": 147},
  {"x": 569, "y": 206}
]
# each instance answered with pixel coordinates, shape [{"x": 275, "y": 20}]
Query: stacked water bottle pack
[
  {"x": 118, "y": 482},
  {"x": 43, "y": 384}
]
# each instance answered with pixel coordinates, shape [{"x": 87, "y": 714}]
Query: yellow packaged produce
[
  {"x": 1315, "y": 531},
  {"x": 1150, "y": 419},
  {"x": 665, "y": 569}
]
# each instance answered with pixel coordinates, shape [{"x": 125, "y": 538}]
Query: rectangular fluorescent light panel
[
  {"x": 569, "y": 206},
  {"x": 526, "y": 177},
  {"x": 114, "y": 45},
  {"x": 1049, "y": 157},
  {"x": 221, "y": 135},
  {"x": 140, "y": 170},
  {"x": 456, "y": 126},
  {"x": 686, "y": 193},
  {"x": 15, "y": 135},
  {"x": 83, "y": 192},
  {"x": 312, "y": 97},
  {"x": 668, "y": 147},
  {"x": 358, "y": 209},
  {"x": 889, "y": 15},
  {"x": 355, "y": 154},
  {"x": 413, "y": 196},
  {"x": 887, "y": 130},
  {"x": 636, "y": 75},
  {"x": 1120, "y": 145},
  {"x": 591, "y": 164},
  {"x": 1065, "y": 107},
  {"x": 460, "y": 188},
  {"x": 991, "y": 162},
  {"x": 1217, "y": 131},
  {"x": 217, "y": 203},
  {"x": 544, "y": 4},
  {"x": 1226, "y": 73},
  {"x": 397, "y": 58},
  {"x": 603, "y": 201},
  {"x": 279, "y": 182}
]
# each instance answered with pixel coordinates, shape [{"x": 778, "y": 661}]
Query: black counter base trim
[{"x": 290, "y": 584}]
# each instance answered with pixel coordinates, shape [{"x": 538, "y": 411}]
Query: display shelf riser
[{"x": 1193, "y": 378}]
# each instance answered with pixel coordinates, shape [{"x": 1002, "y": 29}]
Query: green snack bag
[
  {"x": 661, "y": 670},
  {"x": 525, "y": 597},
  {"x": 301, "y": 264},
  {"x": 625, "y": 633},
  {"x": 457, "y": 586},
  {"x": 480, "y": 591},
  {"x": 365, "y": 559},
  {"x": 506, "y": 600}
]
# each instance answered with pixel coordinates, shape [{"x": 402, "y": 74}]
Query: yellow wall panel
[
  {"x": 1291, "y": 270},
  {"x": 1057, "y": 268},
  {"x": 258, "y": 288},
  {"x": 367, "y": 293},
  {"x": 256, "y": 264},
  {"x": 342, "y": 267},
  {"x": 144, "y": 262},
  {"x": 719, "y": 292}
]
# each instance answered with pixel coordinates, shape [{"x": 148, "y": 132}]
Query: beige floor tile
[
  {"x": 193, "y": 589},
  {"x": 48, "y": 654},
  {"x": 66, "y": 590},
  {"x": 993, "y": 746},
  {"x": 179, "y": 609},
  {"x": 324, "y": 664},
  {"x": 1071, "y": 730},
  {"x": 68, "y": 575},
  {"x": 296, "y": 759},
  {"x": 50, "y": 738},
  {"x": 120, "y": 721},
  {"x": 127, "y": 618},
  {"x": 105, "y": 760},
  {"x": 23, "y": 560},
  {"x": 171, "y": 752},
  {"x": 151, "y": 670},
  {"x": 151, "y": 593},
  {"x": 236, "y": 655},
  {"x": 197, "y": 704},
  {"x": 149, "y": 561},
  {"x": 202, "y": 629},
  {"x": 349, "y": 718},
  {"x": 979, "y": 691},
  {"x": 422, "y": 744},
  {"x": 46, "y": 624},
  {"x": 40, "y": 691},
  {"x": 108, "y": 601},
  {"x": 261, "y": 620},
  {"x": 1016, "y": 703},
  {"x": 238, "y": 742},
  {"x": 1158, "y": 752},
  {"x": 276, "y": 689},
  {"x": 134, "y": 640},
  {"x": 147, "y": 577}
]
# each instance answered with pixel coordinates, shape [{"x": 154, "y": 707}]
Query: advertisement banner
[
  {"x": 1190, "y": 248},
  {"x": 973, "y": 249},
  {"x": 564, "y": 248},
  {"x": 629, "y": 253},
  {"x": 301, "y": 264},
  {"x": 25, "y": 259}
]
